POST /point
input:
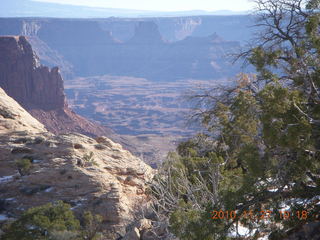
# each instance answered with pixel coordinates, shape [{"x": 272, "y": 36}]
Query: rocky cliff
[
  {"x": 39, "y": 89},
  {"x": 24, "y": 79},
  {"x": 146, "y": 33},
  {"x": 148, "y": 48},
  {"x": 51, "y": 58},
  {"x": 110, "y": 181},
  {"x": 232, "y": 28}
]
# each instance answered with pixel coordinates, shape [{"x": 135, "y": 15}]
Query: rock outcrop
[
  {"x": 232, "y": 28},
  {"x": 24, "y": 79},
  {"x": 50, "y": 57},
  {"x": 39, "y": 89},
  {"x": 94, "y": 174},
  {"x": 149, "y": 48},
  {"x": 146, "y": 229},
  {"x": 14, "y": 118},
  {"x": 146, "y": 33}
]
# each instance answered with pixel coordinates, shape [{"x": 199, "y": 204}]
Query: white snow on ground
[
  {"x": 273, "y": 189},
  {"x": 266, "y": 237},
  {"x": 285, "y": 206},
  {"x": 316, "y": 198},
  {"x": 76, "y": 206},
  {"x": 240, "y": 231},
  {"x": 79, "y": 203},
  {"x": 36, "y": 161},
  {"x": 49, "y": 189},
  {"x": 10, "y": 199},
  {"x": 6, "y": 179},
  {"x": 3, "y": 217},
  {"x": 244, "y": 232}
]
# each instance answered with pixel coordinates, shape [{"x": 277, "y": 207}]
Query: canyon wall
[
  {"x": 160, "y": 49},
  {"x": 39, "y": 89},
  {"x": 24, "y": 79},
  {"x": 231, "y": 28},
  {"x": 112, "y": 184}
]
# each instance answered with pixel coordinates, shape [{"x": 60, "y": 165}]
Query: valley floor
[{"x": 153, "y": 116}]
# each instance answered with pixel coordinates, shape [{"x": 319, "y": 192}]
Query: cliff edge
[
  {"x": 39, "y": 89},
  {"x": 90, "y": 174}
]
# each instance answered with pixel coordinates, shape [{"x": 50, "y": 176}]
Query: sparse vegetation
[
  {"x": 88, "y": 160},
  {"x": 39, "y": 222},
  {"x": 31, "y": 190},
  {"x": 92, "y": 225},
  {"x": 54, "y": 221},
  {"x": 78, "y": 146},
  {"x": 259, "y": 147},
  {"x": 21, "y": 140},
  {"x": 5, "y": 113},
  {"x": 63, "y": 235},
  {"x": 21, "y": 150},
  {"x": 24, "y": 166},
  {"x": 100, "y": 147},
  {"x": 63, "y": 171},
  {"x": 38, "y": 140}
]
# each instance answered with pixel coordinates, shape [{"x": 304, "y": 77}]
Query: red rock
[
  {"x": 25, "y": 80},
  {"x": 39, "y": 89}
]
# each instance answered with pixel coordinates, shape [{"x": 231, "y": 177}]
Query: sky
[{"x": 162, "y": 5}]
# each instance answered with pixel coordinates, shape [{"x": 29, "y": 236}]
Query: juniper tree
[{"x": 260, "y": 150}]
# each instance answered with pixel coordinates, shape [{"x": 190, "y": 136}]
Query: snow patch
[
  {"x": 36, "y": 161},
  {"x": 79, "y": 202},
  {"x": 10, "y": 199},
  {"x": 49, "y": 189},
  {"x": 76, "y": 206},
  {"x": 240, "y": 231},
  {"x": 5, "y": 179},
  {"x": 3, "y": 217},
  {"x": 273, "y": 189}
]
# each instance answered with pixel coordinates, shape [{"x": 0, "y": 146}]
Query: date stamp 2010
[{"x": 261, "y": 215}]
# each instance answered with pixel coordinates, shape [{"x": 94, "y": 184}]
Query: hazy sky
[{"x": 162, "y": 5}]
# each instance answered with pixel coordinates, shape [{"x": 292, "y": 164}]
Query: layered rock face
[
  {"x": 50, "y": 57},
  {"x": 232, "y": 28},
  {"x": 39, "y": 89},
  {"x": 24, "y": 79},
  {"x": 110, "y": 182},
  {"x": 12, "y": 115},
  {"x": 146, "y": 33},
  {"x": 148, "y": 48}
]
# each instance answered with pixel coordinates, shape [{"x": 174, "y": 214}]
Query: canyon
[
  {"x": 91, "y": 107},
  {"x": 111, "y": 184},
  {"x": 39, "y": 89},
  {"x": 93, "y": 174},
  {"x": 160, "y": 49},
  {"x": 131, "y": 74}
]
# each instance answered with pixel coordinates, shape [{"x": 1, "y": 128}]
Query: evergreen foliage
[
  {"x": 53, "y": 221},
  {"x": 38, "y": 222},
  {"x": 260, "y": 151},
  {"x": 24, "y": 166}
]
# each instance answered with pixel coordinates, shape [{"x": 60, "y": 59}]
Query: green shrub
[
  {"x": 24, "y": 166},
  {"x": 39, "y": 223},
  {"x": 88, "y": 160},
  {"x": 92, "y": 225},
  {"x": 54, "y": 221},
  {"x": 63, "y": 235}
]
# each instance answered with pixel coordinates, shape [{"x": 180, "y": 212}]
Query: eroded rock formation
[
  {"x": 24, "y": 79},
  {"x": 148, "y": 48},
  {"x": 110, "y": 181},
  {"x": 39, "y": 89}
]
